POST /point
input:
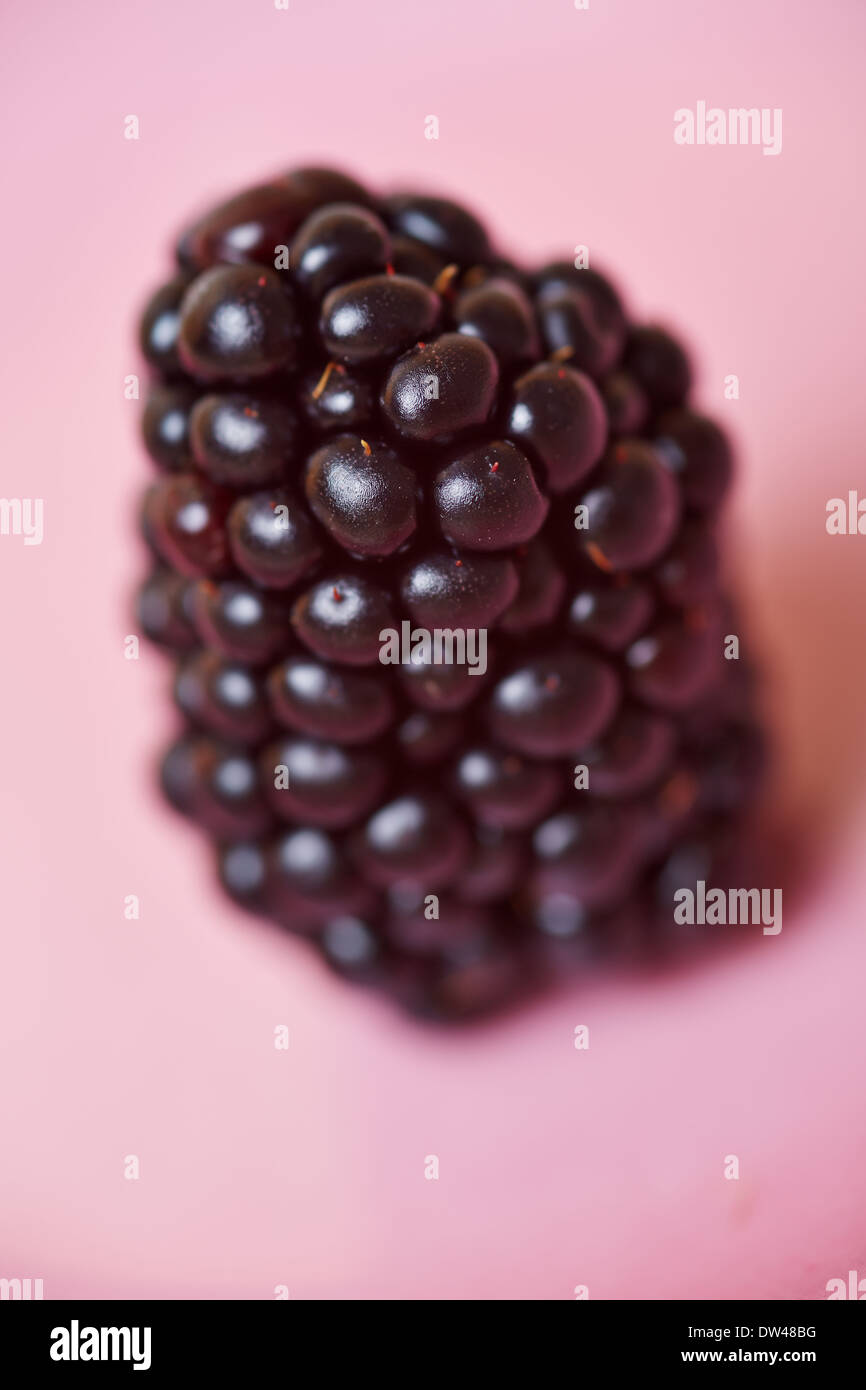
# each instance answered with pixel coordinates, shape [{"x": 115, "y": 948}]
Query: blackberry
[
  {"x": 272, "y": 539},
  {"x": 166, "y": 426},
  {"x": 160, "y": 325},
  {"x": 448, "y": 589},
  {"x": 224, "y": 697},
  {"x": 498, "y": 312},
  {"x": 335, "y": 397},
  {"x": 362, "y": 494},
  {"x": 329, "y": 702},
  {"x": 373, "y": 320},
  {"x": 441, "y": 390},
  {"x": 237, "y": 321},
  {"x": 434, "y": 544},
  {"x": 340, "y": 242},
  {"x": 189, "y": 525},
  {"x": 243, "y": 441},
  {"x": 487, "y": 498},
  {"x": 558, "y": 416}
]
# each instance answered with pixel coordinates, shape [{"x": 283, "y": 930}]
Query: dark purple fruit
[
  {"x": 698, "y": 454},
  {"x": 504, "y": 790},
  {"x": 160, "y": 324},
  {"x": 223, "y": 696},
  {"x": 272, "y": 538},
  {"x": 311, "y": 782},
  {"x": 661, "y": 366},
  {"x": 425, "y": 739},
  {"x": 442, "y": 589},
  {"x": 494, "y": 867},
  {"x": 164, "y": 610},
  {"x": 688, "y": 573},
  {"x": 413, "y": 839},
  {"x": 190, "y": 516},
  {"x": 247, "y": 228},
  {"x": 501, "y": 315},
  {"x": 446, "y": 686},
  {"x": 626, "y": 404},
  {"x": 237, "y": 321},
  {"x": 611, "y": 611},
  {"x": 309, "y": 875},
  {"x": 339, "y": 242},
  {"x": 443, "y": 226},
  {"x": 329, "y": 703},
  {"x": 243, "y": 873},
  {"x": 487, "y": 498},
  {"x": 593, "y": 852},
  {"x": 411, "y": 927},
  {"x": 165, "y": 426},
  {"x": 318, "y": 185},
  {"x": 557, "y": 415},
  {"x": 216, "y": 783},
  {"x": 382, "y": 445},
  {"x": 442, "y": 389},
  {"x": 336, "y": 397},
  {"x": 376, "y": 318},
  {"x": 474, "y": 979},
  {"x": 413, "y": 258},
  {"x": 341, "y": 617},
  {"x": 678, "y": 662},
  {"x": 541, "y": 585},
  {"x": 351, "y": 948},
  {"x": 240, "y": 621},
  {"x": 244, "y": 441},
  {"x": 571, "y": 332},
  {"x": 633, "y": 508},
  {"x": 608, "y": 315},
  {"x": 632, "y": 754},
  {"x": 554, "y": 704},
  {"x": 362, "y": 494}
]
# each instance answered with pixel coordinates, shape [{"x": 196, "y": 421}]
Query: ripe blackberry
[
  {"x": 330, "y": 702},
  {"x": 450, "y": 589},
  {"x": 224, "y": 697},
  {"x": 441, "y": 390},
  {"x": 499, "y": 313},
  {"x": 340, "y": 618},
  {"x": 340, "y": 242},
  {"x": 434, "y": 542},
  {"x": 165, "y": 426},
  {"x": 487, "y": 498},
  {"x": 272, "y": 539},
  {"x": 372, "y": 320},
  {"x": 160, "y": 325},
  {"x": 244, "y": 441},
  {"x": 632, "y": 509},
  {"x": 189, "y": 520},
  {"x": 557, "y": 415},
  {"x": 335, "y": 397},
  {"x": 237, "y": 321},
  {"x": 240, "y": 621},
  {"x": 362, "y": 494}
]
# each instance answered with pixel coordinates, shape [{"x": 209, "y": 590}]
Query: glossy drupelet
[{"x": 364, "y": 420}]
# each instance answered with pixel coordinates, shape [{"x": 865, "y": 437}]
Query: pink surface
[{"x": 155, "y": 1038}]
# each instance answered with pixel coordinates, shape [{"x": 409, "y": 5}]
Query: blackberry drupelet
[{"x": 366, "y": 424}]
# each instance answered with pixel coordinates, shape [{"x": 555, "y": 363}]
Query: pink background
[{"x": 155, "y": 1037}]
